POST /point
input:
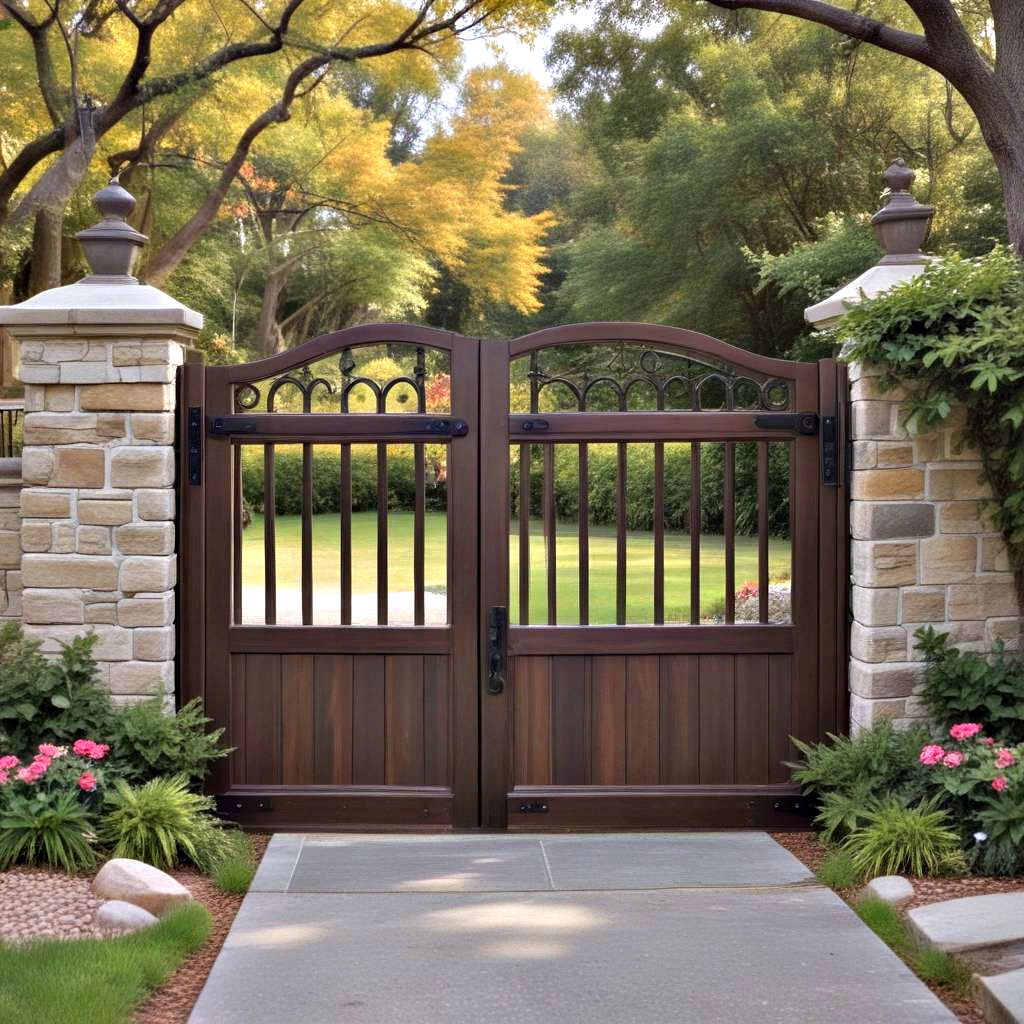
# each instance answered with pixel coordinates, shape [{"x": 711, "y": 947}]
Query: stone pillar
[
  {"x": 922, "y": 551},
  {"x": 98, "y": 361}
]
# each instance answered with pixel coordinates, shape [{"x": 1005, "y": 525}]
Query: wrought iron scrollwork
[
  {"x": 677, "y": 381},
  {"x": 381, "y": 390}
]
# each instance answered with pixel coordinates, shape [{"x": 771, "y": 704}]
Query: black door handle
[{"x": 497, "y": 643}]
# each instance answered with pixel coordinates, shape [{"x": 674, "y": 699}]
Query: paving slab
[
  {"x": 524, "y": 863},
  {"x": 775, "y": 956},
  {"x": 1001, "y": 997},
  {"x": 972, "y": 922}
]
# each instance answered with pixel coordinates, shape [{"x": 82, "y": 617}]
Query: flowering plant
[{"x": 54, "y": 768}]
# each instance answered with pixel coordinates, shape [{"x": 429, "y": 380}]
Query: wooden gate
[{"x": 603, "y": 587}]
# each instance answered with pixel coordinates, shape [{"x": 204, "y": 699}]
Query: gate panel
[{"x": 655, "y": 672}]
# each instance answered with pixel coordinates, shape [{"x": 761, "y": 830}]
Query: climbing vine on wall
[{"x": 955, "y": 337}]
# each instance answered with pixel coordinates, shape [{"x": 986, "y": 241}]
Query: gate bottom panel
[{"x": 546, "y": 808}]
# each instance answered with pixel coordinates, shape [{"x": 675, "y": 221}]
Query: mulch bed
[
  {"x": 173, "y": 1002},
  {"x": 806, "y": 848}
]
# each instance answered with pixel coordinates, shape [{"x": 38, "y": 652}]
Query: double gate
[{"x": 590, "y": 578}]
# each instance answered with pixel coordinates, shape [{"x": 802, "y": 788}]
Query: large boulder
[
  {"x": 118, "y": 917},
  {"x": 145, "y": 886}
]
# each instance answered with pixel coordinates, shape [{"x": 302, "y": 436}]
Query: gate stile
[{"x": 545, "y": 718}]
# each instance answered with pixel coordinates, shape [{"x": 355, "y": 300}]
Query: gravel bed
[{"x": 46, "y": 905}]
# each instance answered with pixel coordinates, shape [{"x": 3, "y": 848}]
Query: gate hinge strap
[{"x": 805, "y": 423}]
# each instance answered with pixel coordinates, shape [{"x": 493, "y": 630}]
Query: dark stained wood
[
  {"x": 762, "y": 530},
  {"x": 345, "y": 505},
  {"x": 332, "y": 428},
  {"x": 621, "y": 472},
  {"x": 717, "y": 719},
  {"x": 573, "y": 427},
  {"x": 584, "y": 534},
  {"x": 659, "y": 532},
  {"x": 298, "y": 749},
  {"x": 608, "y": 718},
  {"x": 418, "y": 540},
  {"x": 643, "y": 725},
  {"x": 436, "y": 717},
  {"x": 729, "y": 514},
  {"x": 332, "y": 723},
  {"x": 262, "y": 741},
  {"x": 307, "y": 534},
  {"x": 341, "y": 639},
  {"x": 680, "y": 720},
  {"x": 369, "y": 728},
  {"x": 828, "y": 578},
  {"x": 382, "y": 534},
  {"x": 532, "y": 689},
  {"x": 550, "y": 538},
  {"x": 236, "y": 534},
  {"x": 236, "y": 724},
  {"x": 524, "y": 534},
  {"x": 269, "y": 537},
  {"x": 753, "y": 638},
  {"x": 695, "y": 513},
  {"x": 780, "y": 721},
  {"x": 752, "y": 720},
  {"x": 404, "y": 711},
  {"x": 570, "y": 730}
]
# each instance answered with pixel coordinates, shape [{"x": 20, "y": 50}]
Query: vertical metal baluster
[
  {"x": 730, "y": 531},
  {"x": 524, "y": 534},
  {"x": 419, "y": 515},
  {"x": 695, "y": 509},
  {"x": 345, "y": 499},
  {"x": 269, "y": 537},
  {"x": 550, "y": 528},
  {"x": 620, "y": 534},
  {"x": 584, "y": 535},
  {"x": 762, "y": 530},
  {"x": 659, "y": 521},
  {"x": 236, "y": 560}
]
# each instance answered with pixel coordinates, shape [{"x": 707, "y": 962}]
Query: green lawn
[{"x": 639, "y": 573}]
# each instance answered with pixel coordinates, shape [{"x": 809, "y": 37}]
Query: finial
[
  {"x": 901, "y": 225},
  {"x": 112, "y": 246}
]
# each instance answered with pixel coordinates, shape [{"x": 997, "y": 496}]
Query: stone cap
[
  {"x": 875, "y": 280},
  {"x": 101, "y": 300}
]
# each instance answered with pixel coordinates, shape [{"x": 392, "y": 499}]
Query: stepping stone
[
  {"x": 893, "y": 889},
  {"x": 973, "y": 922},
  {"x": 1001, "y": 997}
]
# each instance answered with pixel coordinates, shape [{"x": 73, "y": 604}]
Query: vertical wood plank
[
  {"x": 436, "y": 717},
  {"x": 643, "y": 720},
  {"x": 345, "y": 525},
  {"x": 608, "y": 720},
  {"x": 659, "y": 532},
  {"x": 418, "y": 540},
  {"x": 780, "y": 717},
  {"x": 235, "y": 736},
  {"x": 717, "y": 719},
  {"x": 368, "y": 720},
  {"x": 532, "y": 723},
  {"x": 752, "y": 719},
  {"x": 550, "y": 530},
  {"x": 297, "y": 735},
  {"x": 829, "y": 624},
  {"x": 620, "y": 535},
  {"x": 680, "y": 720},
  {"x": 332, "y": 702},
  {"x": 762, "y": 530},
  {"x": 570, "y": 729},
  {"x": 584, "y": 534},
  {"x": 730, "y": 531},
  {"x": 524, "y": 534},
  {"x": 236, "y": 533},
  {"x": 404, "y": 715},
  {"x": 695, "y": 510},
  {"x": 269, "y": 537},
  {"x": 382, "y": 534},
  {"x": 263, "y": 719}
]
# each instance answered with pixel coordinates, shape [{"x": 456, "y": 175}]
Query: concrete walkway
[{"x": 596, "y": 929}]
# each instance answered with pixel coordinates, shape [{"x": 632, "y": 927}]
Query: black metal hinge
[
  {"x": 195, "y": 444},
  {"x": 829, "y": 451},
  {"x": 805, "y": 423}
]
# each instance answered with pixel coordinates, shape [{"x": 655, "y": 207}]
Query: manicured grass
[
  {"x": 96, "y": 980},
  {"x": 639, "y": 564},
  {"x": 838, "y": 872},
  {"x": 234, "y": 872}
]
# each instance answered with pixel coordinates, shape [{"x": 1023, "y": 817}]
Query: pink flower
[
  {"x": 87, "y": 782},
  {"x": 28, "y": 775},
  {"x": 99, "y": 751},
  {"x": 932, "y": 754},
  {"x": 953, "y": 759},
  {"x": 87, "y": 748},
  {"x": 3, "y": 777},
  {"x": 965, "y": 730},
  {"x": 987, "y": 740},
  {"x": 1004, "y": 758},
  {"x": 8, "y": 762},
  {"x": 42, "y": 761},
  {"x": 49, "y": 750},
  {"x": 999, "y": 783}
]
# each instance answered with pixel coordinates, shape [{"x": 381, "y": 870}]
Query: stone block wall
[
  {"x": 98, "y": 504},
  {"x": 923, "y": 552},
  {"x": 10, "y": 540}
]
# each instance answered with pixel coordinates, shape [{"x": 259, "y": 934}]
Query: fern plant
[
  {"x": 49, "y": 829},
  {"x": 841, "y": 811},
  {"x": 897, "y": 839},
  {"x": 161, "y": 823}
]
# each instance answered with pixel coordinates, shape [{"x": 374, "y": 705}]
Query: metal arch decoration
[
  {"x": 623, "y": 375},
  {"x": 248, "y": 396}
]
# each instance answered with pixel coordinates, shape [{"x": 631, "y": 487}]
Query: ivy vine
[{"x": 955, "y": 335}]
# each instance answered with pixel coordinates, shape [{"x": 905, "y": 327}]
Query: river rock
[
  {"x": 119, "y": 916},
  {"x": 893, "y": 889},
  {"x": 141, "y": 884}
]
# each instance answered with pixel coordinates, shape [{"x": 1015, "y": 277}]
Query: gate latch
[
  {"x": 195, "y": 444},
  {"x": 829, "y": 451},
  {"x": 805, "y": 423}
]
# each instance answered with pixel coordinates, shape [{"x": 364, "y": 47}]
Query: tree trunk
[
  {"x": 268, "y": 332},
  {"x": 47, "y": 240}
]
